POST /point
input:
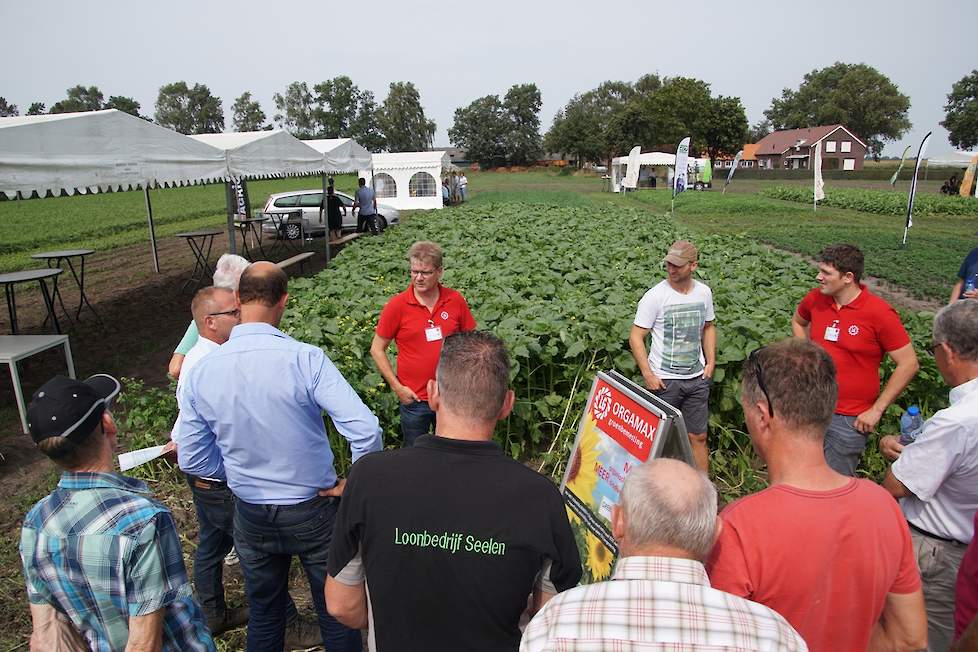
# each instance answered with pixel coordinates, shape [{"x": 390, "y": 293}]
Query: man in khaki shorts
[{"x": 679, "y": 364}]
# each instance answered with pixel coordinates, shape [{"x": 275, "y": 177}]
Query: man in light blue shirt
[
  {"x": 366, "y": 202},
  {"x": 256, "y": 406}
]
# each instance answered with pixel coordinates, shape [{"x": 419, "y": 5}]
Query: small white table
[{"x": 14, "y": 348}]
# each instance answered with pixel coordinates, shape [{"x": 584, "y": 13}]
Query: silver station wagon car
[{"x": 308, "y": 202}]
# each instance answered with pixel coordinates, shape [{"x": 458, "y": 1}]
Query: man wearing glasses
[
  {"x": 682, "y": 350},
  {"x": 418, "y": 320},
  {"x": 856, "y": 328},
  {"x": 936, "y": 476},
  {"x": 830, "y": 553}
]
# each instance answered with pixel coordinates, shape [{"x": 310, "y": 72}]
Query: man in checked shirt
[{"x": 665, "y": 524}]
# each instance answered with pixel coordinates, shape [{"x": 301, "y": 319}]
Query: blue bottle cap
[{"x": 913, "y": 410}]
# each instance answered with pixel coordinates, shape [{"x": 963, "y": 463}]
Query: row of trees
[
  {"x": 655, "y": 113},
  {"x": 333, "y": 109},
  {"x": 501, "y": 132}
]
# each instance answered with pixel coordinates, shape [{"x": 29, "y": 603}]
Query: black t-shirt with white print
[{"x": 453, "y": 535}]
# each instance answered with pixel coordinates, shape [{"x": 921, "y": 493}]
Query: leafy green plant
[{"x": 883, "y": 202}]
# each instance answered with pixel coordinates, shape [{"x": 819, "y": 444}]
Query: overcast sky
[{"x": 458, "y": 51}]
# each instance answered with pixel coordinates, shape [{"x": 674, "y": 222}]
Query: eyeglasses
[
  {"x": 423, "y": 273},
  {"x": 233, "y": 313},
  {"x": 932, "y": 349},
  {"x": 756, "y": 361}
]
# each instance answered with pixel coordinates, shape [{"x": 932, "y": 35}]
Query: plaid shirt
[
  {"x": 656, "y": 603},
  {"x": 99, "y": 550}
]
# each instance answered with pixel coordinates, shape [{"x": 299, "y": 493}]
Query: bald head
[
  {"x": 262, "y": 283},
  {"x": 666, "y": 503}
]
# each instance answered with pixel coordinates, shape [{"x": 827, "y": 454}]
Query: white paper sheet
[{"x": 135, "y": 458}]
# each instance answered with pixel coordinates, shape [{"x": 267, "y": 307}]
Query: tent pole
[
  {"x": 230, "y": 194},
  {"x": 326, "y": 215},
  {"x": 152, "y": 229}
]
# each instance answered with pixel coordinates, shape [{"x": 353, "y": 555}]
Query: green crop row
[
  {"x": 883, "y": 202},
  {"x": 560, "y": 285}
]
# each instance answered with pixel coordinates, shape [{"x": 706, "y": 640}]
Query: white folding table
[{"x": 18, "y": 347}]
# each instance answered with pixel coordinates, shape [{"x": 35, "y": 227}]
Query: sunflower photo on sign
[{"x": 619, "y": 430}]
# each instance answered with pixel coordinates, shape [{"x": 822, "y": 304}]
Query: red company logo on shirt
[
  {"x": 854, "y": 330},
  {"x": 626, "y": 422}
]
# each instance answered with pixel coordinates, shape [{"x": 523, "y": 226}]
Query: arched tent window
[
  {"x": 423, "y": 184},
  {"x": 384, "y": 185}
]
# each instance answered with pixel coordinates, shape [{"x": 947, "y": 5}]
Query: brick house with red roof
[{"x": 793, "y": 149}]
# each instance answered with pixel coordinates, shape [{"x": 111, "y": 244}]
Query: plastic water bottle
[
  {"x": 910, "y": 425},
  {"x": 970, "y": 283}
]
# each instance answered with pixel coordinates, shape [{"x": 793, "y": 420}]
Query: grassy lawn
[{"x": 110, "y": 220}]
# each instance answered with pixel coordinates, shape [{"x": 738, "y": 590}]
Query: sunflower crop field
[{"x": 559, "y": 284}]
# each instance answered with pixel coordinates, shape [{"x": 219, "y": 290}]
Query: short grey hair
[
  {"x": 957, "y": 325},
  {"x": 473, "y": 375},
  {"x": 227, "y": 273},
  {"x": 425, "y": 251},
  {"x": 660, "y": 511}
]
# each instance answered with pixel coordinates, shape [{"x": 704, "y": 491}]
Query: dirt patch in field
[{"x": 893, "y": 294}]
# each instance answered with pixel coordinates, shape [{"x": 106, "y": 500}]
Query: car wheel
[
  {"x": 700, "y": 185},
  {"x": 293, "y": 231},
  {"x": 381, "y": 223}
]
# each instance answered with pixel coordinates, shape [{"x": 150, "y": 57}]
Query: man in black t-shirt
[{"x": 451, "y": 535}]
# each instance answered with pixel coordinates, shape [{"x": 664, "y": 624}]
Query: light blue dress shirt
[{"x": 254, "y": 407}]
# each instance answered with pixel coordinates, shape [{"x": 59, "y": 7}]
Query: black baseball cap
[{"x": 65, "y": 407}]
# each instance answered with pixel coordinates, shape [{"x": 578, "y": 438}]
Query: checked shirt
[
  {"x": 656, "y": 603},
  {"x": 99, "y": 550}
]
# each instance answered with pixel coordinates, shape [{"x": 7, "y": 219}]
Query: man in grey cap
[
  {"x": 102, "y": 559},
  {"x": 678, "y": 366}
]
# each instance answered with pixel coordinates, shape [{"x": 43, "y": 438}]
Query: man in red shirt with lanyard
[
  {"x": 418, "y": 320},
  {"x": 856, "y": 328}
]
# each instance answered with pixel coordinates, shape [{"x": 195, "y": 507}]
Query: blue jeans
[
  {"x": 416, "y": 419},
  {"x": 266, "y": 537},
  {"x": 214, "y": 504}
]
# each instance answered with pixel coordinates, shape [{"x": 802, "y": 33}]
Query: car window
[
  {"x": 347, "y": 201},
  {"x": 286, "y": 202},
  {"x": 310, "y": 201}
]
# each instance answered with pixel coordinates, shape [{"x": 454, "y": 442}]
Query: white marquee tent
[
  {"x": 409, "y": 180},
  {"x": 97, "y": 151},
  {"x": 619, "y": 165},
  {"x": 263, "y": 154},
  {"x": 952, "y": 158},
  {"x": 341, "y": 154}
]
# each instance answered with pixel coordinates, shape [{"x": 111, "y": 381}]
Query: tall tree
[
  {"x": 681, "y": 107},
  {"x": 760, "y": 129},
  {"x": 7, "y": 109},
  {"x": 523, "y": 143},
  {"x": 481, "y": 128},
  {"x": 124, "y": 104},
  {"x": 581, "y": 127},
  {"x": 80, "y": 98},
  {"x": 189, "y": 110},
  {"x": 36, "y": 108},
  {"x": 246, "y": 114},
  {"x": 295, "y": 110},
  {"x": 726, "y": 126},
  {"x": 856, "y": 95},
  {"x": 961, "y": 112},
  {"x": 365, "y": 128},
  {"x": 403, "y": 121},
  {"x": 337, "y": 102}
]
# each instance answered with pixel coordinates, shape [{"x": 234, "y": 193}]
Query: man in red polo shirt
[
  {"x": 418, "y": 320},
  {"x": 856, "y": 328}
]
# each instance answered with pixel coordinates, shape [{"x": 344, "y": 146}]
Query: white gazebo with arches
[{"x": 409, "y": 180}]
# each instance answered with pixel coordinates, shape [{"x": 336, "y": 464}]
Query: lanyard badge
[
  {"x": 832, "y": 332},
  {"x": 432, "y": 333}
]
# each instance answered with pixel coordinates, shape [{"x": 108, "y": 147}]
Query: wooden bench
[
  {"x": 298, "y": 258},
  {"x": 345, "y": 239}
]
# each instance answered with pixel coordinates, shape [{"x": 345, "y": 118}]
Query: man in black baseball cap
[{"x": 102, "y": 559}]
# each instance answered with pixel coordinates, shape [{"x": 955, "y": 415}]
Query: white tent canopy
[
  {"x": 98, "y": 150},
  {"x": 262, "y": 154},
  {"x": 409, "y": 180},
  {"x": 619, "y": 165},
  {"x": 341, "y": 154},
  {"x": 953, "y": 158}
]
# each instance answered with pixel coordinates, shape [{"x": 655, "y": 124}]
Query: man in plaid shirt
[
  {"x": 665, "y": 523},
  {"x": 102, "y": 559}
]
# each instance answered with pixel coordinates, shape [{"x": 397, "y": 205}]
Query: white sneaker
[{"x": 232, "y": 558}]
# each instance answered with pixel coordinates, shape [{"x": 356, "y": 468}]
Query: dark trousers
[
  {"x": 368, "y": 221},
  {"x": 417, "y": 419},
  {"x": 214, "y": 504},
  {"x": 266, "y": 537}
]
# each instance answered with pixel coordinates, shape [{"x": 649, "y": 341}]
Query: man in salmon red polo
[
  {"x": 856, "y": 328},
  {"x": 418, "y": 320}
]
